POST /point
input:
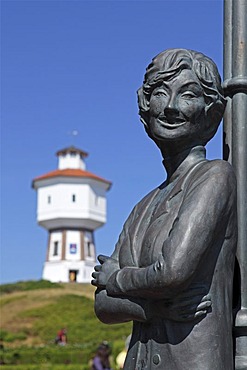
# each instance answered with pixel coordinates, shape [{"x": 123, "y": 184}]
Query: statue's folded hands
[{"x": 103, "y": 271}]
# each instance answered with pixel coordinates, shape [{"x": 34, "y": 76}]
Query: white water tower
[{"x": 71, "y": 204}]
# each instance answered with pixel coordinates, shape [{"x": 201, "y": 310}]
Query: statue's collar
[{"x": 176, "y": 166}]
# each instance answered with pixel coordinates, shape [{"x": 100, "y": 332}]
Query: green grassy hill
[{"x": 33, "y": 312}]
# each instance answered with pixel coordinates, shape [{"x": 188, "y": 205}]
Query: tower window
[
  {"x": 96, "y": 199},
  {"x": 89, "y": 244},
  {"x": 89, "y": 249},
  {"x": 49, "y": 199},
  {"x": 73, "y": 197},
  {"x": 55, "y": 249}
]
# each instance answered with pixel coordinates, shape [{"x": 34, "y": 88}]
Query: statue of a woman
[{"x": 172, "y": 269}]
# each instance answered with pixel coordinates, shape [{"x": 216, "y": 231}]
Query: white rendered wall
[
  {"x": 59, "y": 271},
  {"x": 97, "y": 200},
  {"x": 55, "y": 201},
  {"x": 70, "y": 161}
]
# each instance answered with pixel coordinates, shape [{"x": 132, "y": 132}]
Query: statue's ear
[
  {"x": 143, "y": 102},
  {"x": 214, "y": 111},
  {"x": 143, "y": 107},
  {"x": 208, "y": 108},
  {"x": 209, "y": 113},
  {"x": 144, "y": 121}
]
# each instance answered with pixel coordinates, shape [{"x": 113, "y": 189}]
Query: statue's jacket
[{"x": 181, "y": 235}]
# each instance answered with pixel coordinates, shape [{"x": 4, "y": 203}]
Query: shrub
[
  {"x": 46, "y": 367},
  {"x": 46, "y": 355},
  {"x": 28, "y": 285},
  {"x": 7, "y": 336}
]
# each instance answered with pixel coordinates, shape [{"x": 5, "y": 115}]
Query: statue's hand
[
  {"x": 103, "y": 271},
  {"x": 188, "y": 306}
]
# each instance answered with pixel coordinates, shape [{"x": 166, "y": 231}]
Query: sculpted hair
[{"x": 168, "y": 64}]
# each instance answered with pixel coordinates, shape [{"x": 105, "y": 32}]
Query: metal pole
[
  {"x": 236, "y": 88},
  {"x": 227, "y": 125}
]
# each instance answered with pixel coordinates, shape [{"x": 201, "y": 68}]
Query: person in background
[
  {"x": 101, "y": 360},
  {"x": 61, "y": 338}
]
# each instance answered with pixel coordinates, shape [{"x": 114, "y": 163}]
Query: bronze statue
[{"x": 172, "y": 269}]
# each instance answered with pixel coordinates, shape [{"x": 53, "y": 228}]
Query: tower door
[{"x": 73, "y": 276}]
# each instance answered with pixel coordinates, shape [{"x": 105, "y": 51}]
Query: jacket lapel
[
  {"x": 165, "y": 205},
  {"x": 138, "y": 227},
  {"x": 154, "y": 205}
]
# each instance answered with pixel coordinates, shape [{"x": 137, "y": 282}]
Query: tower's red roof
[{"x": 70, "y": 172}]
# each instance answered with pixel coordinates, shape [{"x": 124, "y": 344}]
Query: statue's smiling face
[{"x": 177, "y": 108}]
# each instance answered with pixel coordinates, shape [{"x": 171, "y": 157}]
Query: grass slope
[{"x": 33, "y": 312}]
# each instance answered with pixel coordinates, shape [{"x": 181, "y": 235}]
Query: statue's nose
[{"x": 171, "y": 106}]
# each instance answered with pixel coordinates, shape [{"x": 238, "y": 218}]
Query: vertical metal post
[
  {"x": 236, "y": 127},
  {"x": 227, "y": 126}
]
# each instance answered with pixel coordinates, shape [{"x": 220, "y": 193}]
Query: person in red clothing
[{"x": 61, "y": 337}]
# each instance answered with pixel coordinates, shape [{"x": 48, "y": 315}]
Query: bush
[
  {"x": 7, "y": 336},
  {"x": 54, "y": 355},
  {"x": 46, "y": 367},
  {"x": 46, "y": 355},
  {"x": 28, "y": 285},
  {"x": 3, "y": 334}
]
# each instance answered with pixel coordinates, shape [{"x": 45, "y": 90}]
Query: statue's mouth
[{"x": 171, "y": 123}]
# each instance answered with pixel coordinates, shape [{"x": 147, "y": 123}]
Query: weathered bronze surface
[
  {"x": 171, "y": 271},
  {"x": 235, "y": 151}
]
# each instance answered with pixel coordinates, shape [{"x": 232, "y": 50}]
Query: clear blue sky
[{"x": 77, "y": 65}]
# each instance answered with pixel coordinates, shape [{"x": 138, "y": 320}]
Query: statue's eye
[
  {"x": 188, "y": 95},
  {"x": 160, "y": 93}
]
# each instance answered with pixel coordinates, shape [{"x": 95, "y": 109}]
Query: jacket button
[{"x": 156, "y": 359}]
